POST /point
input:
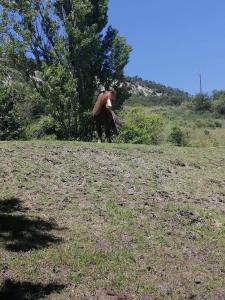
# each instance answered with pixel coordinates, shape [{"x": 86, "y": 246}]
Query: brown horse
[{"x": 103, "y": 115}]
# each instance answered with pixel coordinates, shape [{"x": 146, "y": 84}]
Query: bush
[
  {"x": 178, "y": 136},
  {"x": 219, "y": 106},
  {"x": 201, "y": 102},
  {"x": 207, "y": 123},
  {"x": 140, "y": 128},
  {"x": 155, "y": 100},
  {"x": 218, "y": 103},
  {"x": 86, "y": 127},
  {"x": 218, "y": 124},
  {"x": 44, "y": 128},
  {"x": 11, "y": 120},
  {"x": 206, "y": 132}
]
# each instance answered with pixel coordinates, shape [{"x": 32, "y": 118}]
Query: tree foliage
[
  {"x": 218, "y": 104},
  {"x": 201, "y": 102},
  {"x": 11, "y": 121},
  {"x": 66, "y": 50}
]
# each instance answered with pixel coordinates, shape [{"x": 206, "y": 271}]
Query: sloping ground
[{"x": 89, "y": 221}]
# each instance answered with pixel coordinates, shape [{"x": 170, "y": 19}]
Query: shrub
[
  {"x": 178, "y": 136},
  {"x": 11, "y": 120},
  {"x": 140, "y": 128},
  {"x": 201, "y": 102},
  {"x": 86, "y": 128},
  {"x": 218, "y": 124},
  {"x": 218, "y": 103},
  {"x": 42, "y": 129},
  {"x": 206, "y": 132},
  {"x": 219, "y": 106},
  {"x": 207, "y": 123}
]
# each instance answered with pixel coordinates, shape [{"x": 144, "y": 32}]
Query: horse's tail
[{"x": 117, "y": 122}]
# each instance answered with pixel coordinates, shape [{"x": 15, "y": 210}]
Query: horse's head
[
  {"x": 104, "y": 100},
  {"x": 111, "y": 97}
]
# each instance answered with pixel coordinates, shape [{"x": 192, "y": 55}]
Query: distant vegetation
[
  {"x": 165, "y": 116},
  {"x": 187, "y": 120},
  {"x": 154, "y": 93},
  {"x": 49, "y": 81}
]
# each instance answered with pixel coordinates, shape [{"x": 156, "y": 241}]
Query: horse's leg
[
  {"x": 108, "y": 134},
  {"x": 99, "y": 131}
]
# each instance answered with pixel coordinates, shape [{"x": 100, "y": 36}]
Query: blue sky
[{"x": 174, "y": 41}]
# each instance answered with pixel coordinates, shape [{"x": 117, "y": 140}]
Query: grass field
[
  {"x": 90, "y": 221},
  {"x": 204, "y": 129}
]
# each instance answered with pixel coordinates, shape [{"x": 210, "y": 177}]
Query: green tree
[
  {"x": 218, "y": 103},
  {"x": 14, "y": 112},
  {"x": 201, "y": 102},
  {"x": 11, "y": 121},
  {"x": 66, "y": 50}
]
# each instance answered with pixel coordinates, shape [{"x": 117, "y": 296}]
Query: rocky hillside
[
  {"x": 150, "y": 93},
  {"x": 146, "y": 88}
]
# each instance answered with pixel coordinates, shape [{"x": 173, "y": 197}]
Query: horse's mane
[{"x": 100, "y": 102}]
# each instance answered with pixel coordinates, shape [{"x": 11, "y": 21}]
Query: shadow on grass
[
  {"x": 11, "y": 205},
  {"x": 19, "y": 232},
  {"x": 26, "y": 290}
]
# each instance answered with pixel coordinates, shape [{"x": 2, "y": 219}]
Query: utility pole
[{"x": 200, "y": 81}]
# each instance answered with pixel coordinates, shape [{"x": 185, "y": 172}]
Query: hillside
[
  {"x": 144, "y": 87},
  {"x": 90, "y": 221},
  {"x": 200, "y": 118},
  {"x": 150, "y": 93}
]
